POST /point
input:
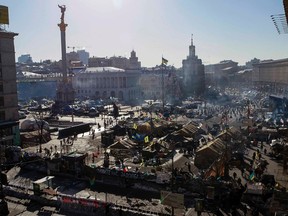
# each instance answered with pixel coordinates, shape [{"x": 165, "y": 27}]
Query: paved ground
[{"x": 85, "y": 143}]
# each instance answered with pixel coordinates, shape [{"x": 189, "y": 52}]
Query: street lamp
[{"x": 3, "y": 180}]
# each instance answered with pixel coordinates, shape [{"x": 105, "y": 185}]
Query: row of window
[{"x": 105, "y": 82}]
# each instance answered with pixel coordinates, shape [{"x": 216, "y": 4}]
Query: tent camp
[
  {"x": 207, "y": 154},
  {"x": 123, "y": 148}
]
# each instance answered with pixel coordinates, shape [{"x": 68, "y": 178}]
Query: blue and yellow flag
[
  {"x": 164, "y": 61},
  {"x": 252, "y": 176}
]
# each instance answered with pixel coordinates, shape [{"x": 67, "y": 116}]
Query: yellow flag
[
  {"x": 146, "y": 139},
  {"x": 134, "y": 126}
]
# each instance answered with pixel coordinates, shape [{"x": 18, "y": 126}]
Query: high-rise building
[
  {"x": 25, "y": 58},
  {"x": 9, "y": 118},
  {"x": 83, "y": 56},
  {"x": 194, "y": 76}
]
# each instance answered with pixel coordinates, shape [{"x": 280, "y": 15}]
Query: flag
[
  {"x": 135, "y": 126},
  {"x": 4, "y": 16},
  {"x": 164, "y": 61},
  {"x": 252, "y": 176},
  {"x": 146, "y": 139},
  {"x": 142, "y": 163}
]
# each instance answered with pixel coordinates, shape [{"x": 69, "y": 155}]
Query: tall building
[
  {"x": 158, "y": 82},
  {"x": 25, "y": 58},
  {"x": 271, "y": 75},
  {"x": 9, "y": 118},
  {"x": 222, "y": 73},
  {"x": 83, "y": 56},
  {"x": 193, "y": 73}
]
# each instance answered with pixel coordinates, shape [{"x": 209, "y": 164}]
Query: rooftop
[{"x": 102, "y": 69}]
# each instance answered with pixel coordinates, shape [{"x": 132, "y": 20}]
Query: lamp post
[
  {"x": 172, "y": 180},
  {"x": 3, "y": 204}
]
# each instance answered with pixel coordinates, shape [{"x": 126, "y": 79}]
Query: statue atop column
[{"x": 63, "y": 8}]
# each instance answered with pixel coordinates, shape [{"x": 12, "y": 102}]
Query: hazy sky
[{"x": 222, "y": 29}]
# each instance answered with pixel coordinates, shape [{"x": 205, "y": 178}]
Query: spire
[
  {"x": 192, "y": 48},
  {"x": 192, "y": 39}
]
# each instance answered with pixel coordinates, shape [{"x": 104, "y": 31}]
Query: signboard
[
  {"x": 172, "y": 199},
  {"x": 82, "y": 201},
  {"x": 128, "y": 175},
  {"x": 4, "y": 18}
]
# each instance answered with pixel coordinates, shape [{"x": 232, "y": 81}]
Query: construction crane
[{"x": 73, "y": 47}]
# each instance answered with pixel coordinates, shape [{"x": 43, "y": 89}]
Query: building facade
[
  {"x": 9, "y": 117},
  {"x": 193, "y": 72},
  {"x": 160, "y": 83},
  {"x": 116, "y": 61},
  {"x": 274, "y": 71},
  {"x": 272, "y": 75},
  {"x": 83, "y": 56},
  {"x": 25, "y": 58},
  {"x": 221, "y": 73},
  {"x": 106, "y": 82}
]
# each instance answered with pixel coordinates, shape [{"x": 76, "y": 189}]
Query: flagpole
[{"x": 162, "y": 65}]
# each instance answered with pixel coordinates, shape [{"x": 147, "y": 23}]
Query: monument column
[
  {"x": 65, "y": 92},
  {"x": 62, "y": 27}
]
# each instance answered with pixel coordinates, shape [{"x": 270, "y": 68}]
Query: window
[
  {"x": 1, "y": 101},
  {"x": 2, "y": 115},
  {"x": 5, "y": 131}
]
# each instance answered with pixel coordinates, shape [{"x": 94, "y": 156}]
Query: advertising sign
[{"x": 4, "y": 18}]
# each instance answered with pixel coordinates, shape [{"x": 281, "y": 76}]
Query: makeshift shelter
[
  {"x": 144, "y": 128},
  {"x": 123, "y": 148},
  {"x": 207, "y": 154},
  {"x": 34, "y": 137},
  {"x": 118, "y": 130},
  {"x": 175, "y": 139},
  {"x": 33, "y": 124},
  {"x": 189, "y": 130},
  {"x": 74, "y": 163},
  {"x": 229, "y": 134}
]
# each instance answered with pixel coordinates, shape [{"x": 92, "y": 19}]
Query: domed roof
[{"x": 32, "y": 124}]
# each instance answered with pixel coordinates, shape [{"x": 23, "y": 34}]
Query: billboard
[{"x": 4, "y": 17}]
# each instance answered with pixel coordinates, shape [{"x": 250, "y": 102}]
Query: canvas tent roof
[
  {"x": 209, "y": 153},
  {"x": 189, "y": 130},
  {"x": 123, "y": 144},
  {"x": 216, "y": 145}
]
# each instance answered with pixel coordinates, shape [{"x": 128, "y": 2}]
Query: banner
[{"x": 4, "y": 17}]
